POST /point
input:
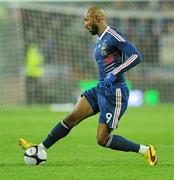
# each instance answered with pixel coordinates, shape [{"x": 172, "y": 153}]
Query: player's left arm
[
  {"x": 132, "y": 54},
  {"x": 133, "y": 58}
]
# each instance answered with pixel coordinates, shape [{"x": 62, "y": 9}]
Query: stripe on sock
[
  {"x": 109, "y": 141},
  {"x": 64, "y": 125}
]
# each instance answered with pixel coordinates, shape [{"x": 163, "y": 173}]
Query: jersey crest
[{"x": 104, "y": 49}]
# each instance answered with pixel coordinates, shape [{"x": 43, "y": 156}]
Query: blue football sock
[
  {"x": 58, "y": 132},
  {"x": 120, "y": 143}
]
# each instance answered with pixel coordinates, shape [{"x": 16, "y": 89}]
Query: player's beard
[{"x": 94, "y": 29}]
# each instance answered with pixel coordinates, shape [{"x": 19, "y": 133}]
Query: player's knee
[{"x": 101, "y": 140}]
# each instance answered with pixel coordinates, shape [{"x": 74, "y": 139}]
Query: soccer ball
[{"x": 34, "y": 156}]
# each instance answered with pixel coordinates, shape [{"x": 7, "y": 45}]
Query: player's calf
[
  {"x": 58, "y": 132},
  {"x": 71, "y": 120}
]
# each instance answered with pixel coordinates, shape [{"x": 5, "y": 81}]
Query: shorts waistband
[{"x": 118, "y": 84}]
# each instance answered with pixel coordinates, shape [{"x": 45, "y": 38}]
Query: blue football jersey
[{"x": 114, "y": 54}]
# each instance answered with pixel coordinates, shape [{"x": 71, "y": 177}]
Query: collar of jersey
[{"x": 104, "y": 33}]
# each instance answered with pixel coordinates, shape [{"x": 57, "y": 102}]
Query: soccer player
[{"x": 114, "y": 55}]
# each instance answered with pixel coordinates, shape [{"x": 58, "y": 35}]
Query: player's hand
[{"x": 109, "y": 79}]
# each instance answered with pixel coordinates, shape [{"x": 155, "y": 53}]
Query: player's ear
[{"x": 97, "y": 18}]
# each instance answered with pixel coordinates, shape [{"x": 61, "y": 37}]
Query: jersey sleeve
[{"x": 133, "y": 56}]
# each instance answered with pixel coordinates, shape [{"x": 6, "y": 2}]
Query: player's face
[{"x": 90, "y": 24}]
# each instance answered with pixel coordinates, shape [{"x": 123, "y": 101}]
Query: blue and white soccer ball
[{"x": 34, "y": 156}]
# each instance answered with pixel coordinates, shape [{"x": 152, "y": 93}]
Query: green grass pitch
[{"x": 78, "y": 157}]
